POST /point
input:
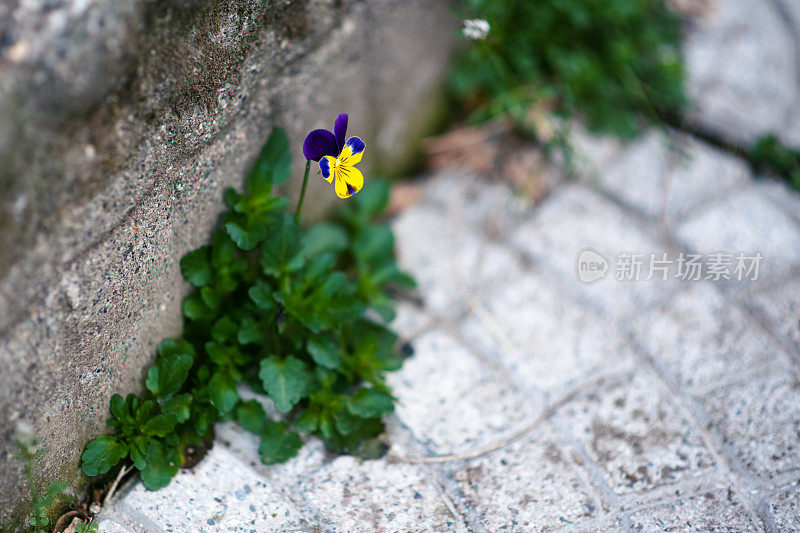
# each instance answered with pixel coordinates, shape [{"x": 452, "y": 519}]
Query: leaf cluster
[
  {"x": 769, "y": 156},
  {"x": 610, "y": 62},
  {"x": 298, "y": 315}
]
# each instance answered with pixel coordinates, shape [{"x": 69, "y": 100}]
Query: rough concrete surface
[{"x": 120, "y": 125}]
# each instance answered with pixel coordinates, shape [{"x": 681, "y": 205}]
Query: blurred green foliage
[
  {"x": 769, "y": 156},
  {"x": 614, "y": 63}
]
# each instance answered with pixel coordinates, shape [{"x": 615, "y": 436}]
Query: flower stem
[{"x": 302, "y": 193}]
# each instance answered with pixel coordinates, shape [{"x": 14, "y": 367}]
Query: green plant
[
  {"x": 87, "y": 527},
  {"x": 768, "y": 155},
  {"x": 298, "y": 315},
  {"x": 610, "y": 62},
  {"x": 29, "y": 453}
]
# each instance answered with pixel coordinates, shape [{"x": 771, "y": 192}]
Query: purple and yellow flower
[{"x": 336, "y": 157}]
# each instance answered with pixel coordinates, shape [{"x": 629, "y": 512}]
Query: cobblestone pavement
[{"x": 536, "y": 401}]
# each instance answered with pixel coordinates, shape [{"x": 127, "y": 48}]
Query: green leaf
[
  {"x": 166, "y": 377},
  {"x": 245, "y": 237},
  {"x": 223, "y": 354},
  {"x": 211, "y": 297},
  {"x": 272, "y": 166},
  {"x": 325, "y": 352},
  {"x": 307, "y": 422},
  {"x": 224, "y": 329},
  {"x": 250, "y": 332},
  {"x": 222, "y": 389},
  {"x": 194, "y": 308},
  {"x": 139, "y": 459},
  {"x": 175, "y": 346},
  {"x": 196, "y": 268},
  {"x": 262, "y": 295},
  {"x": 278, "y": 443},
  {"x": 178, "y": 406},
  {"x": 101, "y": 454},
  {"x": 286, "y": 381},
  {"x": 251, "y": 416},
  {"x": 374, "y": 244},
  {"x": 360, "y": 439},
  {"x": 281, "y": 249},
  {"x": 223, "y": 250},
  {"x": 323, "y": 238},
  {"x": 119, "y": 411},
  {"x": 159, "y": 425},
  {"x": 370, "y": 403},
  {"x": 373, "y": 200},
  {"x": 346, "y": 422},
  {"x": 143, "y": 412},
  {"x": 162, "y": 465}
]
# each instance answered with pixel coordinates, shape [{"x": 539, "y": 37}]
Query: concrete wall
[{"x": 120, "y": 125}]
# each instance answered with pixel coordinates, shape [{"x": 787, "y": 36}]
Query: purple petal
[
  {"x": 320, "y": 143},
  {"x": 340, "y": 129}
]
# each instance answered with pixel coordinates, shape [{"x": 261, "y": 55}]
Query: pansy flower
[{"x": 336, "y": 157}]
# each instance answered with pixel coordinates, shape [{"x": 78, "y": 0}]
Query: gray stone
[
  {"x": 122, "y": 125},
  {"x": 785, "y": 509},
  {"x": 443, "y": 257},
  {"x": 758, "y": 421},
  {"x": 745, "y": 222},
  {"x": 637, "y": 435},
  {"x": 410, "y": 320},
  {"x": 662, "y": 176},
  {"x": 221, "y": 493},
  {"x": 530, "y": 485},
  {"x": 359, "y": 495},
  {"x": 782, "y": 195},
  {"x": 706, "y": 342},
  {"x": 575, "y": 218},
  {"x": 717, "y": 510},
  {"x": 742, "y": 72},
  {"x": 467, "y": 405},
  {"x": 780, "y": 307},
  {"x": 548, "y": 341},
  {"x": 488, "y": 206},
  {"x": 593, "y": 153}
]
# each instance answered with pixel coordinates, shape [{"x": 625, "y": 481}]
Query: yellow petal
[
  {"x": 352, "y": 152},
  {"x": 349, "y": 181}
]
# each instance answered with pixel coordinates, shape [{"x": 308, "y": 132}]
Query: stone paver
[
  {"x": 521, "y": 487},
  {"x": 660, "y": 176},
  {"x": 780, "y": 307},
  {"x": 376, "y": 496},
  {"x": 759, "y": 421},
  {"x": 718, "y": 510},
  {"x": 574, "y": 219},
  {"x": 452, "y": 402},
  {"x": 539, "y": 400},
  {"x": 221, "y": 494},
  {"x": 743, "y": 69},
  {"x": 704, "y": 341},
  {"x": 636, "y": 435},
  {"x": 785, "y": 509},
  {"x": 745, "y": 222},
  {"x": 548, "y": 341}
]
